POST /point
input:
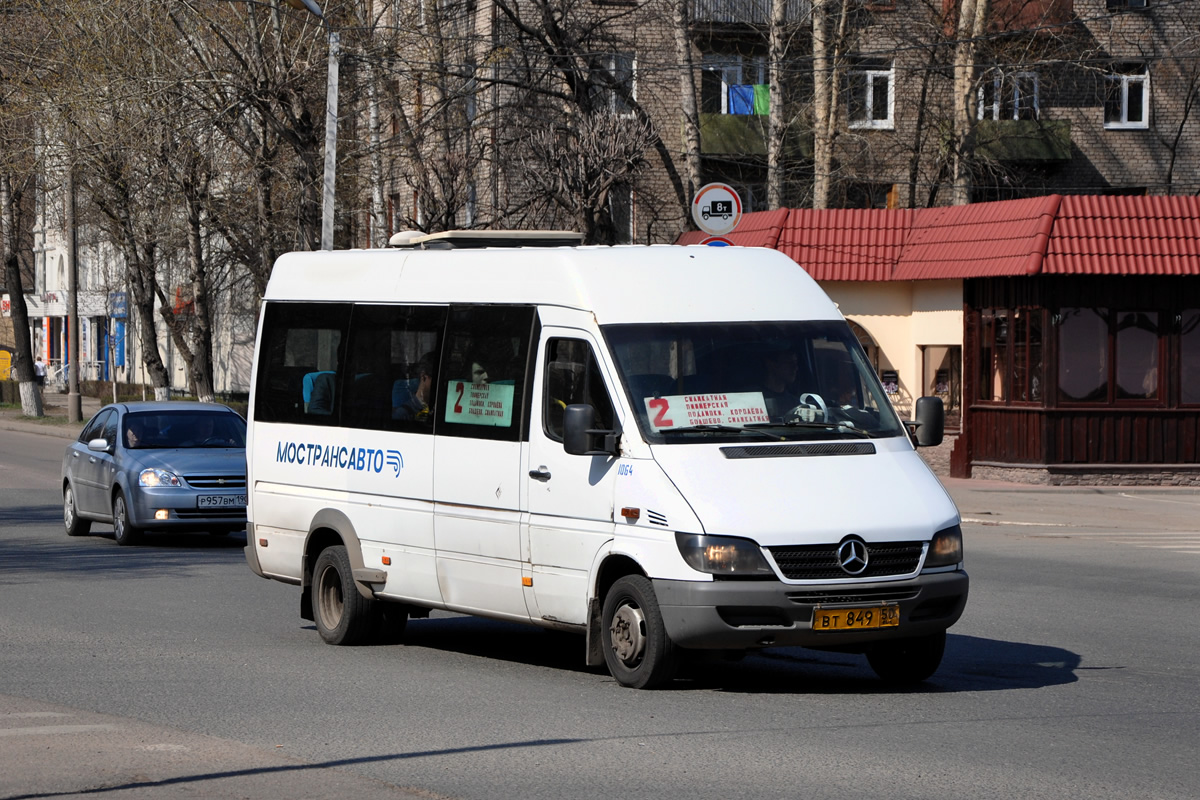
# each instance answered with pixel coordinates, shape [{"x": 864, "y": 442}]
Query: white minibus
[{"x": 666, "y": 449}]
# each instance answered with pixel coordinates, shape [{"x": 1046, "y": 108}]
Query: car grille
[
  {"x": 237, "y": 514},
  {"x": 884, "y": 595},
  {"x": 820, "y": 562},
  {"x": 216, "y": 481}
]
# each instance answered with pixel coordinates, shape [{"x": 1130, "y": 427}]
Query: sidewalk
[{"x": 54, "y": 423}]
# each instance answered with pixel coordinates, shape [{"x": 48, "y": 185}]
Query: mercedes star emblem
[{"x": 852, "y": 556}]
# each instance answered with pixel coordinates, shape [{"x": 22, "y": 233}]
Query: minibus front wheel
[
  {"x": 637, "y": 649},
  {"x": 343, "y": 616}
]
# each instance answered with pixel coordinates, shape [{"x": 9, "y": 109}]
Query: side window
[
  {"x": 482, "y": 382},
  {"x": 301, "y": 353},
  {"x": 95, "y": 428},
  {"x": 110, "y": 430},
  {"x": 572, "y": 376},
  {"x": 392, "y": 367}
]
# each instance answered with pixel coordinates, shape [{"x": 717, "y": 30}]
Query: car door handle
[
  {"x": 540, "y": 474},
  {"x": 92, "y": 460}
]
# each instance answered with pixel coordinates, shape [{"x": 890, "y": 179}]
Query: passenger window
[
  {"x": 298, "y": 372},
  {"x": 483, "y": 372},
  {"x": 572, "y": 376},
  {"x": 394, "y": 353},
  {"x": 95, "y": 428}
]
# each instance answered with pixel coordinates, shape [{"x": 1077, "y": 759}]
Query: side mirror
[
  {"x": 582, "y": 438},
  {"x": 98, "y": 445},
  {"x": 931, "y": 421}
]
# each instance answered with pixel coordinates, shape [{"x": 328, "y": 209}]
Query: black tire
[
  {"x": 904, "y": 662},
  {"x": 637, "y": 649},
  {"x": 124, "y": 531},
  {"x": 391, "y": 620},
  {"x": 343, "y": 616},
  {"x": 71, "y": 520}
]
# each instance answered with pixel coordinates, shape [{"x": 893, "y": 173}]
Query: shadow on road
[{"x": 971, "y": 664}]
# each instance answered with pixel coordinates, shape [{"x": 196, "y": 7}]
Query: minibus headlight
[
  {"x": 722, "y": 555},
  {"x": 158, "y": 477},
  {"x": 946, "y": 548}
]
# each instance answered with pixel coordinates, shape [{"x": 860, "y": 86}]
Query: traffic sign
[
  {"x": 717, "y": 241},
  {"x": 717, "y": 209}
]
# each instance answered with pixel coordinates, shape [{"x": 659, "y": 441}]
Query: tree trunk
[
  {"x": 775, "y": 122},
  {"x": 200, "y": 363},
  {"x": 379, "y": 227},
  {"x": 31, "y": 398},
  {"x": 822, "y": 105},
  {"x": 972, "y": 14},
  {"x": 687, "y": 93}
]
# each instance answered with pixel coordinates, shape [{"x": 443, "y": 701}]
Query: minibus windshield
[{"x": 693, "y": 382}]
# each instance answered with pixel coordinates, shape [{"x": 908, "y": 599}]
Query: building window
[
  {"x": 1011, "y": 363},
  {"x": 1135, "y": 346},
  {"x": 1123, "y": 5},
  {"x": 870, "y": 195},
  {"x": 1189, "y": 356},
  {"x": 615, "y": 83},
  {"x": 731, "y": 84},
  {"x": 1008, "y": 95},
  {"x": 1127, "y": 97},
  {"x": 1083, "y": 355},
  {"x": 871, "y": 95},
  {"x": 620, "y": 211}
]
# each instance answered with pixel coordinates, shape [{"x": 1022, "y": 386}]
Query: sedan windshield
[
  {"x": 175, "y": 429},
  {"x": 790, "y": 380}
]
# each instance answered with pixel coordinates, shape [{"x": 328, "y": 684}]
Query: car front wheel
[
  {"x": 71, "y": 520},
  {"x": 637, "y": 649},
  {"x": 124, "y": 531},
  {"x": 903, "y": 662}
]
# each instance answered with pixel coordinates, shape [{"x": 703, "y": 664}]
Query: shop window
[
  {"x": 1083, "y": 355},
  {"x": 1189, "y": 357},
  {"x": 1137, "y": 357},
  {"x": 1011, "y": 363}
]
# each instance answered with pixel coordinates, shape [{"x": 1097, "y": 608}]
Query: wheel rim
[
  {"x": 119, "y": 522},
  {"x": 627, "y": 632},
  {"x": 69, "y": 508},
  {"x": 329, "y": 597}
]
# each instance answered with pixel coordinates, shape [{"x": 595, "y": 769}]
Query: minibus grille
[
  {"x": 852, "y": 596},
  {"x": 216, "y": 481},
  {"x": 820, "y": 561},
  {"x": 791, "y": 450}
]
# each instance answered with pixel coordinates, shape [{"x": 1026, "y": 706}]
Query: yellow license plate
[{"x": 855, "y": 619}]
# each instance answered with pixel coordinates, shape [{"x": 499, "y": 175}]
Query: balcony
[
  {"x": 746, "y": 135},
  {"x": 1024, "y": 140},
  {"x": 745, "y": 12}
]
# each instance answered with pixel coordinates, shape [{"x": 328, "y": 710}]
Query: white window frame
[
  {"x": 871, "y": 74},
  {"x": 611, "y": 99},
  {"x": 1126, "y": 80},
  {"x": 1002, "y": 84}
]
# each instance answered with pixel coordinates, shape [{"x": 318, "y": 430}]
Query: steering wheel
[{"x": 811, "y": 409}]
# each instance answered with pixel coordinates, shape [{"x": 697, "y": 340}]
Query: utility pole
[{"x": 74, "y": 401}]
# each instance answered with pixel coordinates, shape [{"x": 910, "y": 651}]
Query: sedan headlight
[
  {"x": 722, "y": 555},
  {"x": 946, "y": 548},
  {"x": 158, "y": 477}
]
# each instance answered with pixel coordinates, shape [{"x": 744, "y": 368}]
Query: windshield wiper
[
  {"x": 714, "y": 428},
  {"x": 837, "y": 427}
]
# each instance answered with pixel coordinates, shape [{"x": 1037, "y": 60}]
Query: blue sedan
[{"x": 157, "y": 466}]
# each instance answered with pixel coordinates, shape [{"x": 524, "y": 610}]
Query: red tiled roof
[
  {"x": 1125, "y": 236},
  {"x": 978, "y": 240},
  {"x": 848, "y": 244},
  {"x": 756, "y": 229},
  {"x": 1065, "y": 235}
]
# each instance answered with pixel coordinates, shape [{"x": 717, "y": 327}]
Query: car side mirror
[
  {"x": 582, "y": 438},
  {"x": 98, "y": 445},
  {"x": 930, "y": 422}
]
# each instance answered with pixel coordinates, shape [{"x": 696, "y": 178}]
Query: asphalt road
[{"x": 170, "y": 671}]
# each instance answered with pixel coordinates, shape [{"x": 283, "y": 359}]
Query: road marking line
[
  {"x": 54, "y": 730},
  {"x": 1011, "y": 522}
]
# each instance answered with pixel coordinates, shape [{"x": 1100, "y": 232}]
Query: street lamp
[{"x": 331, "y": 122}]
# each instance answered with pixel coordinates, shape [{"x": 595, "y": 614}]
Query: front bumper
[
  {"x": 738, "y": 615},
  {"x": 183, "y": 511}
]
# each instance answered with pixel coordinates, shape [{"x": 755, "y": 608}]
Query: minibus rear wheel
[
  {"x": 343, "y": 616},
  {"x": 637, "y": 649},
  {"x": 907, "y": 661}
]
